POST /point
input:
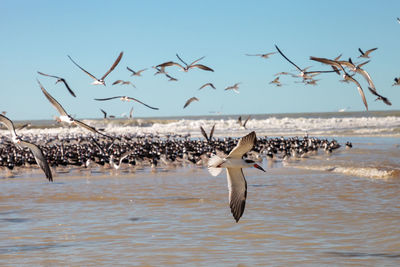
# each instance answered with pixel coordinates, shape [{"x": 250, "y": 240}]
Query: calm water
[{"x": 339, "y": 209}]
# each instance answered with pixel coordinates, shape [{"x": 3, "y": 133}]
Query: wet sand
[{"x": 181, "y": 217}]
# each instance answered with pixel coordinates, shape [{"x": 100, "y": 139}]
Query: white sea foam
[
  {"x": 272, "y": 126},
  {"x": 368, "y": 172}
]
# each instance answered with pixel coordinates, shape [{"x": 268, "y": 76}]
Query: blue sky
[{"x": 38, "y": 36}]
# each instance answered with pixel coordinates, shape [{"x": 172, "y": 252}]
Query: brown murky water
[
  {"x": 182, "y": 217},
  {"x": 293, "y": 217}
]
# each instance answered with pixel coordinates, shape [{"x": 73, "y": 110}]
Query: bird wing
[
  {"x": 367, "y": 77},
  {"x": 170, "y": 63},
  {"x": 369, "y": 51},
  {"x": 131, "y": 70},
  {"x": 245, "y": 122},
  {"x": 212, "y": 132},
  {"x": 85, "y": 71},
  {"x": 380, "y": 97},
  {"x": 117, "y": 82},
  {"x": 134, "y": 99},
  {"x": 40, "y": 158},
  {"x": 190, "y": 100},
  {"x": 113, "y": 66},
  {"x": 44, "y": 74},
  {"x": 237, "y": 186},
  {"x": 104, "y": 113},
  {"x": 280, "y": 52},
  {"x": 360, "y": 90},
  {"x": 200, "y": 66},
  {"x": 362, "y": 53},
  {"x": 68, "y": 88},
  {"x": 54, "y": 102},
  {"x": 197, "y": 60},
  {"x": 204, "y": 133},
  {"x": 181, "y": 60},
  {"x": 108, "y": 98},
  {"x": 244, "y": 145},
  {"x": 90, "y": 128},
  {"x": 8, "y": 123}
]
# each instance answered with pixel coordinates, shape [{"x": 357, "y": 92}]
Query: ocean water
[{"x": 340, "y": 208}]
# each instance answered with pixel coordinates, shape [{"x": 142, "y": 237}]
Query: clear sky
[{"x": 38, "y": 36}]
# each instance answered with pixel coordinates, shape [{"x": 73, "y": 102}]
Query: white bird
[
  {"x": 101, "y": 80},
  {"x": 266, "y": 55},
  {"x": 65, "y": 117},
  {"x": 366, "y": 53},
  {"x": 234, "y": 163},
  {"x": 37, "y": 153}
]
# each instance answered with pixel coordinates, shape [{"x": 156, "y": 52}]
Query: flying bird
[
  {"x": 190, "y": 100},
  {"x": 396, "y": 81},
  {"x": 59, "y": 79},
  {"x": 187, "y": 67},
  {"x": 303, "y": 73},
  {"x": 234, "y": 163},
  {"x": 170, "y": 78},
  {"x": 101, "y": 80},
  {"x": 261, "y": 55},
  {"x": 243, "y": 124},
  {"x": 234, "y": 87},
  {"x": 207, "y": 84},
  {"x": 65, "y": 117},
  {"x": 136, "y": 73},
  {"x": 380, "y": 97},
  {"x": 36, "y": 151},
  {"x": 121, "y": 82},
  {"x": 203, "y": 132},
  {"x": 125, "y": 98},
  {"x": 345, "y": 76},
  {"x": 366, "y": 53}
]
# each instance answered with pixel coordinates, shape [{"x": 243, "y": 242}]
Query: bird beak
[{"x": 258, "y": 167}]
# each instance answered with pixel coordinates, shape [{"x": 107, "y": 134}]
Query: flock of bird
[{"x": 214, "y": 153}]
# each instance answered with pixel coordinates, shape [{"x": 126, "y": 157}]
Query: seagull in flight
[
  {"x": 261, "y": 55},
  {"x": 36, "y": 151},
  {"x": 241, "y": 123},
  {"x": 203, "y": 132},
  {"x": 59, "y": 79},
  {"x": 234, "y": 87},
  {"x": 190, "y": 100},
  {"x": 65, "y": 117},
  {"x": 380, "y": 97},
  {"x": 101, "y": 80},
  {"x": 234, "y": 163},
  {"x": 187, "y": 67},
  {"x": 303, "y": 73},
  {"x": 366, "y": 53},
  {"x": 136, "y": 73},
  {"x": 207, "y": 84},
  {"x": 346, "y": 76},
  {"x": 125, "y": 98},
  {"x": 121, "y": 82}
]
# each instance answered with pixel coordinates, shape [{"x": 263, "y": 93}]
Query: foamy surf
[{"x": 367, "y": 172}]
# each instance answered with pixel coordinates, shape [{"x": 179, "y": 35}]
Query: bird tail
[{"x": 213, "y": 162}]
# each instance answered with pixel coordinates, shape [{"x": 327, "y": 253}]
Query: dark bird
[
  {"x": 65, "y": 117},
  {"x": 234, "y": 163},
  {"x": 396, "y": 81},
  {"x": 203, "y": 132},
  {"x": 124, "y": 98},
  {"x": 207, "y": 84},
  {"x": 59, "y": 79},
  {"x": 136, "y": 73},
  {"x": 101, "y": 80},
  {"x": 190, "y": 100},
  {"x": 36, "y": 151},
  {"x": 366, "y": 53},
  {"x": 380, "y": 97},
  {"x": 187, "y": 67}
]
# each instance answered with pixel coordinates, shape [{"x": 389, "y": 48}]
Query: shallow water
[{"x": 296, "y": 214}]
